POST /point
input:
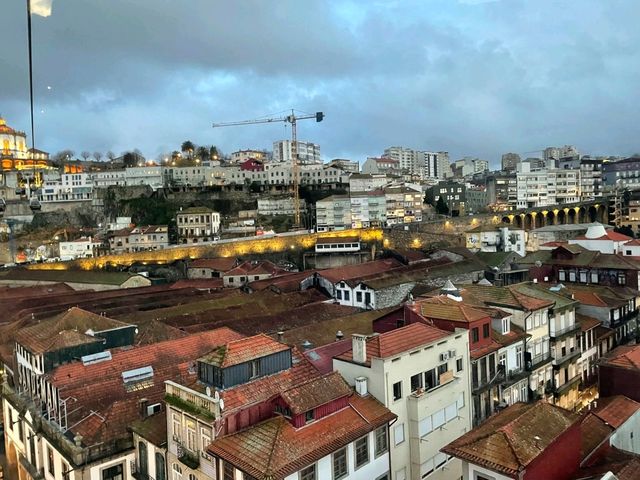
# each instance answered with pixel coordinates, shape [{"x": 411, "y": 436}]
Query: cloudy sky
[{"x": 473, "y": 77}]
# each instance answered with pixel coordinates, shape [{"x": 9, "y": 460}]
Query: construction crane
[{"x": 291, "y": 119}]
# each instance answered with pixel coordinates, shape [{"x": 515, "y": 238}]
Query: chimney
[
  {"x": 142, "y": 405},
  {"x": 78, "y": 440},
  {"x": 361, "y": 386},
  {"x": 359, "y": 347},
  {"x": 280, "y": 335},
  {"x": 307, "y": 345},
  {"x": 339, "y": 335}
]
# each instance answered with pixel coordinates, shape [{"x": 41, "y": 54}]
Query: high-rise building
[
  {"x": 510, "y": 162},
  {"x": 308, "y": 152},
  {"x": 551, "y": 155},
  {"x": 421, "y": 164}
]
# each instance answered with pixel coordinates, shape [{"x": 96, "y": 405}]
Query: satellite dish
[
  {"x": 216, "y": 395},
  {"x": 208, "y": 391},
  {"x": 221, "y": 403}
]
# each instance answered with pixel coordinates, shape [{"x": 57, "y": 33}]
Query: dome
[
  {"x": 4, "y": 128},
  {"x": 596, "y": 231}
]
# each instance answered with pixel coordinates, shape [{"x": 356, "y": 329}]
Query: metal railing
[{"x": 563, "y": 331}]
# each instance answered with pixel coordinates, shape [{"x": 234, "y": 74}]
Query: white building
[
  {"x": 422, "y": 164},
  {"x": 244, "y": 155},
  {"x": 543, "y": 188},
  {"x": 109, "y": 178},
  {"x": 308, "y": 152},
  {"x": 72, "y": 187},
  {"x": 368, "y": 209},
  {"x": 197, "y": 224},
  {"x": 599, "y": 239},
  {"x": 83, "y": 247},
  {"x": 147, "y": 175},
  {"x": 496, "y": 238},
  {"x": 403, "y": 204},
  {"x": 363, "y": 182},
  {"x": 421, "y": 374},
  {"x": 185, "y": 176}
]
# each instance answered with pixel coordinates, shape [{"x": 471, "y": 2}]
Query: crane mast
[{"x": 295, "y": 167}]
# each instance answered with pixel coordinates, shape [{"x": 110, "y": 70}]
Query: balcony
[
  {"x": 558, "y": 333},
  {"x": 187, "y": 457},
  {"x": 512, "y": 376},
  {"x": 567, "y": 357},
  {"x": 539, "y": 361},
  {"x": 559, "y": 390},
  {"x": 137, "y": 474}
]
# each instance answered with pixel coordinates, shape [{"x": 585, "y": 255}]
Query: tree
[
  {"x": 63, "y": 156},
  {"x": 188, "y": 147},
  {"x": 441, "y": 207},
  {"x": 129, "y": 159},
  {"x": 214, "y": 153},
  {"x": 84, "y": 154},
  {"x": 111, "y": 156},
  {"x": 97, "y": 156},
  {"x": 202, "y": 153}
]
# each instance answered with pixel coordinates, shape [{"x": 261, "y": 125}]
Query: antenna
[
  {"x": 221, "y": 403},
  {"x": 208, "y": 391},
  {"x": 216, "y": 395}
]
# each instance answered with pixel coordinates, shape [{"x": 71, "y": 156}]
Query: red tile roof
[
  {"x": 510, "y": 440},
  {"x": 589, "y": 298},
  {"x": 624, "y": 465},
  {"x": 71, "y": 328},
  {"x": 587, "y": 323},
  {"x": 609, "y": 235},
  {"x": 101, "y": 408},
  {"x": 243, "y": 350},
  {"x": 615, "y": 410},
  {"x": 444, "y": 308},
  {"x": 200, "y": 284},
  {"x": 275, "y": 449},
  {"x": 322, "y": 357},
  {"x": 262, "y": 267},
  {"x": 397, "y": 341},
  {"x": 352, "y": 272},
  {"x": 315, "y": 392},
  {"x": 219, "y": 264},
  {"x": 624, "y": 356}
]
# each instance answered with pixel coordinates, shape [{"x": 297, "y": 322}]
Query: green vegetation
[
  {"x": 441, "y": 206},
  {"x": 312, "y": 196},
  {"x": 188, "y": 407}
]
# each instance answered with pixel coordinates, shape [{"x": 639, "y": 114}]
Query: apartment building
[
  {"x": 368, "y": 209},
  {"x": 622, "y": 174},
  {"x": 185, "y": 176},
  {"x": 333, "y": 213},
  {"x": 197, "y": 224},
  {"x": 496, "y": 238},
  {"x": 420, "y": 164},
  {"x": 71, "y": 187},
  {"x": 419, "y": 373},
  {"x": 510, "y": 162},
  {"x": 139, "y": 239},
  {"x": 476, "y": 199},
  {"x": 548, "y": 187},
  {"x": 502, "y": 191},
  {"x": 241, "y": 156},
  {"x": 387, "y": 166},
  {"x": 403, "y": 205},
  {"x": 453, "y": 193},
  {"x": 590, "y": 175},
  {"x": 109, "y": 178},
  {"x": 279, "y": 205},
  {"x": 308, "y": 152},
  {"x": 82, "y": 247}
]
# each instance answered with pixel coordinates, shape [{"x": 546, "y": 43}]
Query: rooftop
[
  {"x": 219, "y": 264},
  {"x": 398, "y": 341},
  {"x": 624, "y": 356},
  {"x": 265, "y": 450},
  {"x": 315, "y": 392},
  {"x": 513, "y": 438},
  {"x": 444, "y": 308},
  {"x": 64, "y": 276},
  {"x": 71, "y": 328},
  {"x": 243, "y": 350},
  {"x": 352, "y": 272},
  {"x": 191, "y": 210}
]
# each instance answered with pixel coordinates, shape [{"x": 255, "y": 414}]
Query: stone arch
[
  {"x": 538, "y": 219},
  {"x": 592, "y": 214},
  {"x": 549, "y": 218},
  {"x": 561, "y": 217},
  {"x": 528, "y": 221},
  {"x": 519, "y": 221},
  {"x": 506, "y": 219},
  {"x": 582, "y": 214},
  {"x": 571, "y": 216}
]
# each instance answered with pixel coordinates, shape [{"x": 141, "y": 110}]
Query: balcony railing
[
  {"x": 559, "y": 332},
  {"x": 538, "y": 361},
  {"x": 137, "y": 474},
  {"x": 570, "y": 355},
  {"x": 187, "y": 457},
  {"x": 560, "y": 389}
]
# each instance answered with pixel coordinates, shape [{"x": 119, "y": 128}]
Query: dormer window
[
  {"x": 255, "y": 368},
  {"x": 309, "y": 416},
  {"x": 505, "y": 326}
]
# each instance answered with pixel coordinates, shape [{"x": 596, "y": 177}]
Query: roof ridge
[{"x": 281, "y": 422}]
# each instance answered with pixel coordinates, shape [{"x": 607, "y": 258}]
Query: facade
[
  {"x": 510, "y": 162},
  {"x": 552, "y": 234},
  {"x": 349, "y": 166},
  {"x": 139, "y": 239},
  {"x": 619, "y": 373},
  {"x": 197, "y": 224},
  {"x": 590, "y": 175},
  {"x": 308, "y": 152},
  {"x": 250, "y": 271},
  {"x": 72, "y": 187},
  {"x": 387, "y": 166},
  {"x": 362, "y": 182},
  {"x": 368, "y": 209},
  {"x": 241, "y": 156},
  {"x": 525, "y": 441},
  {"x": 145, "y": 175},
  {"x": 454, "y": 195},
  {"x": 622, "y": 173},
  {"x": 420, "y": 373},
  {"x": 419, "y": 164},
  {"x": 549, "y": 187},
  {"x": 278, "y": 206},
  {"x": 109, "y": 178},
  {"x": 476, "y": 199},
  {"x": 194, "y": 176},
  {"x": 502, "y": 191},
  {"x": 83, "y": 247},
  {"x": 210, "y": 267},
  {"x": 605, "y": 241},
  {"x": 14, "y": 153},
  {"x": 496, "y": 238},
  {"x": 403, "y": 205},
  {"x": 558, "y": 153},
  {"x": 333, "y": 213}
]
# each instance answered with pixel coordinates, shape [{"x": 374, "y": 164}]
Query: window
[
  {"x": 562, "y": 275},
  {"x": 397, "y": 390},
  {"x": 431, "y": 379},
  {"x": 505, "y": 325},
  {"x": 308, "y": 473},
  {"x": 475, "y": 336},
  {"x": 519, "y": 356},
  {"x": 346, "y": 295},
  {"x": 308, "y": 416},
  {"x": 228, "y": 472},
  {"x": 205, "y": 438},
  {"x": 622, "y": 279},
  {"x": 594, "y": 277},
  {"x": 160, "y": 468},
  {"x": 425, "y": 426},
  {"x": 340, "y": 466},
  {"x": 485, "y": 330},
  {"x": 191, "y": 435},
  {"x": 339, "y": 294},
  {"x": 362, "y": 451},
  {"x": 382, "y": 443},
  {"x": 460, "y": 401},
  {"x": 416, "y": 382},
  {"x": 255, "y": 368},
  {"x": 50, "y": 465},
  {"x": 358, "y": 297},
  {"x": 459, "y": 365},
  {"x": 115, "y": 472},
  {"x": 192, "y": 477},
  {"x": 438, "y": 419},
  {"x": 398, "y": 434}
]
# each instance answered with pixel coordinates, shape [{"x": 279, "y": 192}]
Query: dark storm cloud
[{"x": 471, "y": 77}]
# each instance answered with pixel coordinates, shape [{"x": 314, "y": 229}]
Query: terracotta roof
[
  {"x": 444, "y": 308},
  {"x": 222, "y": 264},
  {"x": 287, "y": 282},
  {"x": 275, "y": 449},
  {"x": 624, "y": 465},
  {"x": 243, "y": 350},
  {"x": 593, "y": 432},
  {"x": 510, "y": 440},
  {"x": 397, "y": 341},
  {"x": 615, "y": 410},
  {"x": 624, "y": 356},
  {"x": 260, "y": 267},
  {"x": 609, "y": 235},
  {"x": 67, "y": 329},
  {"x": 589, "y": 298},
  {"x": 352, "y": 272},
  {"x": 102, "y": 408},
  {"x": 633, "y": 243},
  {"x": 587, "y": 323},
  {"x": 322, "y": 357},
  {"x": 199, "y": 283},
  {"x": 603, "y": 332},
  {"x": 315, "y": 392}
]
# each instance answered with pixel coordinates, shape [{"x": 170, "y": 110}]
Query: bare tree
[
  {"x": 84, "y": 154},
  {"x": 97, "y": 156},
  {"x": 110, "y": 155},
  {"x": 63, "y": 155}
]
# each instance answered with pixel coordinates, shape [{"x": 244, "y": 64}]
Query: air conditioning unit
[
  {"x": 452, "y": 353},
  {"x": 444, "y": 356}
]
